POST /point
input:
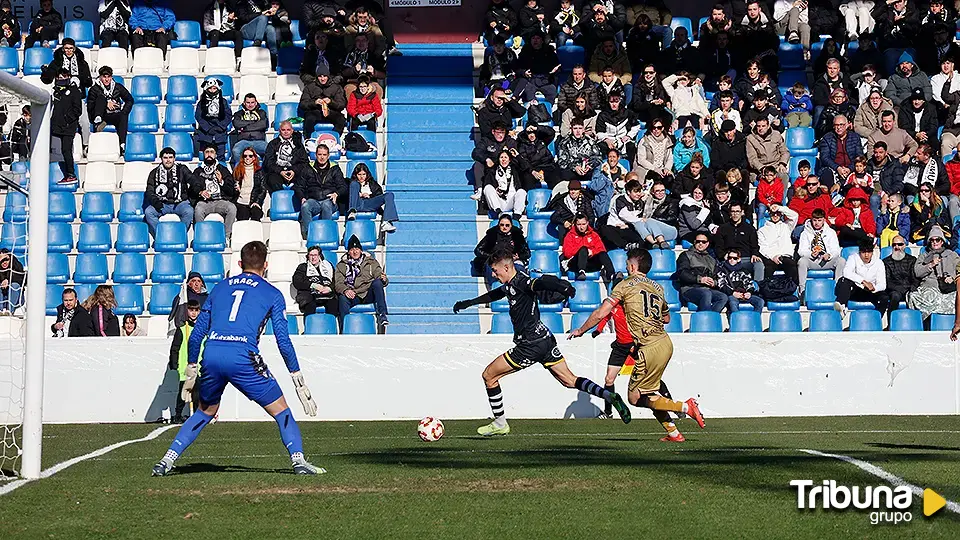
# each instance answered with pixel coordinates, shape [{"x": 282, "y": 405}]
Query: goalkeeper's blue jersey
[{"x": 233, "y": 318}]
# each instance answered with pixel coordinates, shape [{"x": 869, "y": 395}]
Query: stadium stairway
[{"x": 428, "y": 124}]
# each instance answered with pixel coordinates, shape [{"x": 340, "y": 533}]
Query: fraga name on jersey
[{"x": 244, "y": 281}]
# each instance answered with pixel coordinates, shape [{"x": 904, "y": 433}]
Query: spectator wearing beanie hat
[
  {"x": 567, "y": 205},
  {"x": 359, "y": 279}
]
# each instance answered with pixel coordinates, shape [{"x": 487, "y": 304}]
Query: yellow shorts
[{"x": 651, "y": 360}]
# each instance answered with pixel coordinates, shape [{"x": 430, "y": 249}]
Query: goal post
[{"x": 36, "y": 284}]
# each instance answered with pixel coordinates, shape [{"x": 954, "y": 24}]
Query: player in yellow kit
[{"x": 646, "y": 311}]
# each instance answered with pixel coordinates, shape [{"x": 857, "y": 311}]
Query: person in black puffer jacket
[
  {"x": 498, "y": 107},
  {"x": 500, "y": 20},
  {"x": 67, "y": 109},
  {"x": 534, "y": 158},
  {"x": 567, "y": 205},
  {"x": 504, "y": 235},
  {"x": 537, "y": 66}
]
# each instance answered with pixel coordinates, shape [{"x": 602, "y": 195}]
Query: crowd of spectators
[{"x": 659, "y": 137}]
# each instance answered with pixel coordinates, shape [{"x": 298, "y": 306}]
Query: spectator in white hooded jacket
[
  {"x": 818, "y": 248},
  {"x": 776, "y": 246}
]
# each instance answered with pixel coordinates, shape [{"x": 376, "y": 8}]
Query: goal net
[{"x": 23, "y": 239}]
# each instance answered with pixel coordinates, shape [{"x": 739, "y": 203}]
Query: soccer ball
[{"x": 430, "y": 429}]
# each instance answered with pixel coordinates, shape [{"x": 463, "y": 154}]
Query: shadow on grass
[
  {"x": 914, "y": 447},
  {"x": 195, "y": 468}
]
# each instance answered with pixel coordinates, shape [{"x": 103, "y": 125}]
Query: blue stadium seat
[
  {"x": 706, "y": 321},
  {"x": 906, "y": 320},
  {"x": 54, "y": 297},
  {"x": 182, "y": 89},
  {"x": 536, "y": 200},
  {"x": 282, "y": 205},
  {"x": 9, "y": 60},
  {"x": 84, "y": 290},
  {"x": 130, "y": 268},
  {"x": 587, "y": 297},
  {"x": 13, "y": 236},
  {"x": 664, "y": 264},
  {"x": 209, "y": 236},
  {"x": 94, "y": 238},
  {"x": 791, "y": 56},
  {"x": 227, "y": 88},
  {"x": 129, "y": 299},
  {"x": 826, "y": 321},
  {"x": 553, "y": 321},
  {"x": 161, "y": 298},
  {"x": 58, "y": 268},
  {"x": 62, "y": 206},
  {"x": 320, "y": 324},
  {"x": 180, "y": 117},
  {"x": 171, "y": 236},
  {"x": 298, "y": 38},
  {"x": 501, "y": 324},
  {"x": 56, "y": 175},
  {"x": 577, "y": 320},
  {"x": 819, "y": 293},
  {"x": 670, "y": 295},
  {"x": 146, "y": 89},
  {"x": 286, "y": 111},
  {"x": 35, "y": 58},
  {"x": 853, "y": 305},
  {"x": 131, "y": 206},
  {"x": 684, "y": 22},
  {"x": 801, "y": 142},
  {"x": 168, "y": 268},
  {"x": 15, "y": 207},
  {"x": 675, "y": 326},
  {"x": 132, "y": 236},
  {"x": 570, "y": 55},
  {"x": 91, "y": 267},
  {"x": 59, "y": 237},
  {"x": 745, "y": 321},
  {"x": 289, "y": 59},
  {"x": 885, "y": 252},
  {"x": 540, "y": 235},
  {"x": 865, "y": 321},
  {"x": 500, "y": 306},
  {"x": 371, "y": 138},
  {"x": 818, "y": 273},
  {"x": 788, "y": 78},
  {"x": 97, "y": 206},
  {"x": 785, "y": 321},
  {"x": 783, "y": 306},
  {"x": 359, "y": 323},
  {"x": 188, "y": 34},
  {"x": 80, "y": 32},
  {"x": 323, "y": 233},
  {"x": 181, "y": 142},
  {"x": 941, "y": 323},
  {"x": 846, "y": 252},
  {"x": 366, "y": 232},
  {"x": 619, "y": 259},
  {"x": 292, "y": 327},
  {"x": 326, "y": 132},
  {"x": 544, "y": 262},
  {"x": 210, "y": 265},
  {"x": 140, "y": 147},
  {"x": 351, "y": 165}
]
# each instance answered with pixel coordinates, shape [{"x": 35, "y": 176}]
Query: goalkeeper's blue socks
[
  {"x": 289, "y": 432},
  {"x": 188, "y": 432}
]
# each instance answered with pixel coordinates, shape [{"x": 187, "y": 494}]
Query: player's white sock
[
  {"x": 500, "y": 421},
  {"x": 685, "y": 408},
  {"x": 169, "y": 458}
]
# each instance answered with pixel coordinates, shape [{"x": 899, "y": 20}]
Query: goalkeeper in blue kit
[{"x": 231, "y": 322}]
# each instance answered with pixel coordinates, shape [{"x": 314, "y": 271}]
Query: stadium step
[
  {"x": 428, "y": 146},
  {"x": 434, "y": 118},
  {"x": 463, "y": 206},
  {"x": 418, "y": 322}
]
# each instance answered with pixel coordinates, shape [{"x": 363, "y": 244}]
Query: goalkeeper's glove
[
  {"x": 187, "y": 393},
  {"x": 461, "y": 305},
  {"x": 306, "y": 399}
]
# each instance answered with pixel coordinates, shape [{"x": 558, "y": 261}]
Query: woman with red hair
[{"x": 250, "y": 183}]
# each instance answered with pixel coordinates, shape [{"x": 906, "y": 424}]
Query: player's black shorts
[
  {"x": 619, "y": 353},
  {"x": 527, "y": 353}
]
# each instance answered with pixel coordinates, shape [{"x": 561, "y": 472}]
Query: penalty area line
[
  {"x": 879, "y": 473},
  {"x": 46, "y": 473}
]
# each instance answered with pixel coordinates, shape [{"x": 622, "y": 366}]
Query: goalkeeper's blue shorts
[{"x": 245, "y": 370}]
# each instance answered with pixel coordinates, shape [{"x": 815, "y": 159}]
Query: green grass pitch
[{"x": 580, "y": 479}]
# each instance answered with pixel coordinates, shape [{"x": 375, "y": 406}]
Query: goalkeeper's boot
[
  {"x": 621, "y": 407},
  {"x": 302, "y": 466},
  {"x": 492, "y": 429},
  {"x": 165, "y": 465},
  {"x": 693, "y": 410}
]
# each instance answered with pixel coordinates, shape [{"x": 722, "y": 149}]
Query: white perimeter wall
[{"x": 398, "y": 377}]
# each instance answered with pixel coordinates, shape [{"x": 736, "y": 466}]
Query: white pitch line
[
  {"x": 7, "y": 488},
  {"x": 880, "y": 473}
]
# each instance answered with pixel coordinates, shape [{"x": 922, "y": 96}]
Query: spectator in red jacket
[
  {"x": 953, "y": 172},
  {"x": 364, "y": 106},
  {"x": 854, "y": 222},
  {"x": 808, "y": 198},
  {"x": 584, "y": 249},
  {"x": 770, "y": 190}
]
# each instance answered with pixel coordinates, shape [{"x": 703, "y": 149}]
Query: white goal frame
[{"x": 32, "y": 430}]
